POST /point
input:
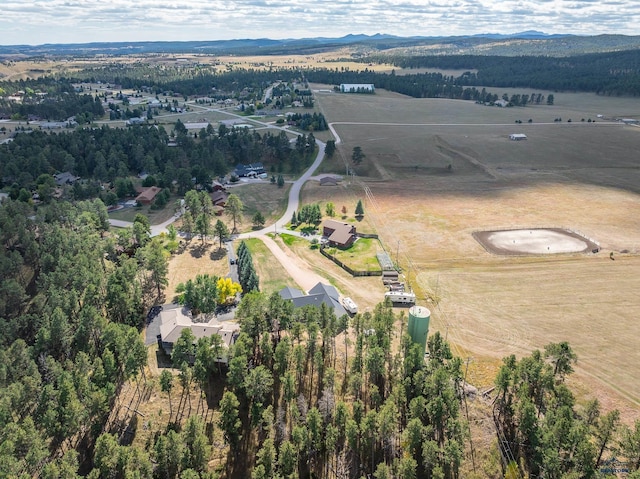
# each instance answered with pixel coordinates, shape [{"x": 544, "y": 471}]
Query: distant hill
[{"x": 523, "y": 43}]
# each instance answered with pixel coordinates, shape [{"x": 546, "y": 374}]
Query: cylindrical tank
[{"x": 419, "y": 317}]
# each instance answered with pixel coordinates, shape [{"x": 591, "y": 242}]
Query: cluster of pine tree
[
  {"x": 309, "y": 121},
  {"x": 60, "y": 101},
  {"x": 316, "y": 404},
  {"x": 70, "y": 309},
  {"x": 246, "y": 271}
]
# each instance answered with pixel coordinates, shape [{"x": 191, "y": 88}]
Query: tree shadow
[
  {"x": 217, "y": 254},
  {"x": 130, "y": 431},
  {"x": 163, "y": 360},
  {"x": 198, "y": 251}
]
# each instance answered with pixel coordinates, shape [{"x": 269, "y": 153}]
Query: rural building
[
  {"x": 217, "y": 186},
  {"x": 357, "y": 88},
  {"x": 174, "y": 318},
  {"x": 219, "y": 198},
  {"x": 501, "y": 103},
  {"x": 329, "y": 181},
  {"x": 65, "y": 178},
  {"x": 318, "y": 295},
  {"x": 517, "y": 136},
  {"x": 196, "y": 125},
  {"x": 140, "y": 120},
  {"x": 338, "y": 233},
  {"x": 252, "y": 169},
  {"x": 147, "y": 195}
]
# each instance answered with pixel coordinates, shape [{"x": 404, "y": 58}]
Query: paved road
[{"x": 294, "y": 199}]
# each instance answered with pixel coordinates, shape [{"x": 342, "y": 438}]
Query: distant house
[
  {"x": 173, "y": 319},
  {"x": 140, "y": 120},
  {"x": 318, "y": 295},
  {"x": 501, "y": 103},
  {"x": 147, "y": 195},
  {"x": 217, "y": 186},
  {"x": 250, "y": 170},
  {"x": 357, "y": 88},
  {"x": 196, "y": 125},
  {"x": 219, "y": 198},
  {"x": 517, "y": 136},
  {"x": 338, "y": 233},
  {"x": 329, "y": 181},
  {"x": 65, "y": 178}
]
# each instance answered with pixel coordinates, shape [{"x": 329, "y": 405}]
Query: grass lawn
[
  {"x": 266, "y": 198},
  {"x": 273, "y": 277},
  {"x": 361, "y": 256},
  {"x": 155, "y": 216}
]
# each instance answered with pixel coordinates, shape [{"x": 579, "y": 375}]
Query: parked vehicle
[
  {"x": 349, "y": 305},
  {"x": 401, "y": 297}
]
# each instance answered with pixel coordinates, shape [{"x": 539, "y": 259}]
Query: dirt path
[{"x": 306, "y": 278}]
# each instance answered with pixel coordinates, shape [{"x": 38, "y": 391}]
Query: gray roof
[
  {"x": 290, "y": 293},
  {"x": 319, "y": 294},
  {"x": 173, "y": 321}
]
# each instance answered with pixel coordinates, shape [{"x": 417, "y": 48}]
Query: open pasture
[{"x": 581, "y": 176}]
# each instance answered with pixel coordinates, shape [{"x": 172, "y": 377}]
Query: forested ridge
[
  {"x": 105, "y": 154},
  {"x": 48, "y": 98},
  {"x": 612, "y": 73}
]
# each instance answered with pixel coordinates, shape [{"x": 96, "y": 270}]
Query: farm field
[{"x": 580, "y": 176}]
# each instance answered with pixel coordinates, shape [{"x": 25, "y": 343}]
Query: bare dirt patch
[{"x": 534, "y": 241}]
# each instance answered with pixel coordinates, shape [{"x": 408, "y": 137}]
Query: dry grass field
[
  {"x": 579, "y": 175},
  {"x": 196, "y": 258}
]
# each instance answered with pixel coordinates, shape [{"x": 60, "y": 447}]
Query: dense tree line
[
  {"x": 70, "y": 308},
  {"x": 49, "y": 99},
  {"x": 309, "y": 121},
  {"x": 247, "y": 275},
  {"x": 316, "y": 409},
  {"x": 104, "y": 154},
  {"x": 543, "y": 429},
  {"x": 611, "y": 73}
]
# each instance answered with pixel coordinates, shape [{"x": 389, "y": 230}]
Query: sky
[{"x": 37, "y": 22}]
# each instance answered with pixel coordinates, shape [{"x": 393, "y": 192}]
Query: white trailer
[
  {"x": 349, "y": 305},
  {"x": 401, "y": 297}
]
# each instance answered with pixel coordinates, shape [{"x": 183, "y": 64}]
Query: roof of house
[
  {"x": 341, "y": 232},
  {"x": 219, "y": 197},
  {"x": 65, "y": 178},
  {"x": 174, "y": 320},
  {"x": 319, "y": 294},
  {"x": 148, "y": 194},
  {"x": 290, "y": 293},
  {"x": 329, "y": 180}
]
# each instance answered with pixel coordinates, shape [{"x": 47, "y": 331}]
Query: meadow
[{"x": 437, "y": 170}]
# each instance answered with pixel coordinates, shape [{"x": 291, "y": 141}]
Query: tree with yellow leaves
[{"x": 227, "y": 290}]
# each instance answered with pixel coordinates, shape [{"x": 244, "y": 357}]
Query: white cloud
[{"x": 65, "y": 21}]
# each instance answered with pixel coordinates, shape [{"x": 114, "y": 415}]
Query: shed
[{"x": 517, "y": 136}]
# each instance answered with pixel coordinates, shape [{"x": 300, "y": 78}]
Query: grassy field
[
  {"x": 273, "y": 276},
  {"x": 361, "y": 256},
  {"x": 270, "y": 200},
  {"x": 195, "y": 258},
  {"x": 579, "y": 175},
  {"x": 155, "y": 216}
]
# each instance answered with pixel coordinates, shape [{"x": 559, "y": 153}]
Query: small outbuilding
[
  {"x": 357, "y": 88},
  {"x": 517, "y": 136}
]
